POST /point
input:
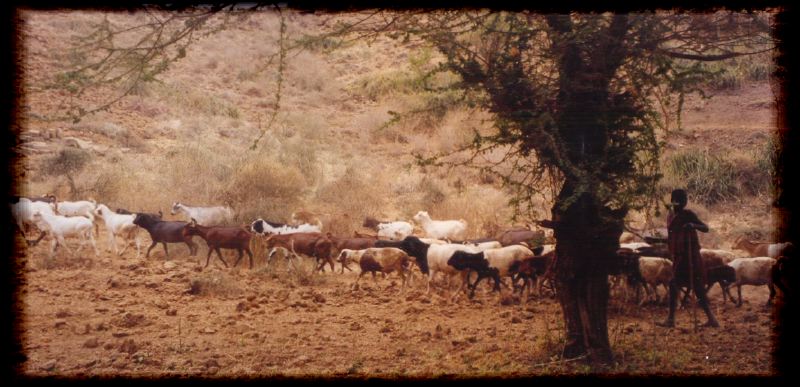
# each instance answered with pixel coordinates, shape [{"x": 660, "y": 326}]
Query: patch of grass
[
  {"x": 215, "y": 284},
  {"x": 733, "y": 73},
  {"x": 354, "y": 194},
  {"x": 708, "y": 178}
]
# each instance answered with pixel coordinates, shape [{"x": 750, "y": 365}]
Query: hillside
[
  {"x": 186, "y": 137},
  {"x": 199, "y": 120}
]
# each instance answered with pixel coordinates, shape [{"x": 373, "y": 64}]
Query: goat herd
[{"x": 393, "y": 247}]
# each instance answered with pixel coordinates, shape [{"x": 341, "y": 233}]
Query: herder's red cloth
[{"x": 684, "y": 247}]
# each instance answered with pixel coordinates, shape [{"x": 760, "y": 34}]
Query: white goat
[
  {"x": 442, "y": 229},
  {"x": 206, "y": 216},
  {"x": 262, "y": 227},
  {"x": 62, "y": 226},
  {"x": 654, "y": 271},
  {"x": 754, "y": 271},
  {"x": 119, "y": 224},
  {"x": 23, "y": 211},
  {"x": 439, "y": 254},
  {"x": 395, "y": 231},
  {"x": 83, "y": 208}
]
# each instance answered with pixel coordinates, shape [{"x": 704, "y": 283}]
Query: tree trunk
[{"x": 587, "y": 237}]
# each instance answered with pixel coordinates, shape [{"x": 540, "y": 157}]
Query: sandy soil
[{"x": 85, "y": 316}]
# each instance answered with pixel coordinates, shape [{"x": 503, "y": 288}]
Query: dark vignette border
[{"x": 785, "y": 204}]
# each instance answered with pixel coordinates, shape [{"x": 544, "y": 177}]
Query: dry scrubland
[{"x": 186, "y": 139}]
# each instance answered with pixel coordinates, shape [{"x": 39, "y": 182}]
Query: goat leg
[
  {"x": 208, "y": 257},
  {"x": 151, "y": 247},
  {"x": 219, "y": 254}
]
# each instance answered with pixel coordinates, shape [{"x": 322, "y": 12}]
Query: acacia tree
[
  {"x": 577, "y": 104},
  {"x": 577, "y": 100}
]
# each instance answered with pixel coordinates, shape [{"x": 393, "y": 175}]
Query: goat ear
[{"x": 160, "y": 214}]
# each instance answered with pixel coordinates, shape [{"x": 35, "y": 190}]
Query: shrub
[{"x": 67, "y": 161}]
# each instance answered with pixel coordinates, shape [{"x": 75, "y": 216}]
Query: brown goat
[
  {"x": 349, "y": 243},
  {"x": 516, "y": 235},
  {"x": 311, "y": 244},
  {"x": 222, "y": 238},
  {"x": 760, "y": 249}
]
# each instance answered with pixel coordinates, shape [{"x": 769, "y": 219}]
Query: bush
[{"x": 67, "y": 161}]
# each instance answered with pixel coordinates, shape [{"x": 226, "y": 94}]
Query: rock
[
  {"x": 120, "y": 334},
  {"x": 242, "y": 307},
  {"x": 76, "y": 143},
  {"x": 169, "y": 265},
  {"x": 61, "y": 323},
  {"x": 108, "y": 346},
  {"x": 172, "y": 312},
  {"x": 131, "y": 320},
  {"x": 208, "y": 330},
  {"x": 128, "y": 346},
  {"x": 211, "y": 363},
  {"x": 319, "y": 298},
  {"x": 62, "y": 314},
  {"x": 516, "y": 320},
  {"x": 355, "y": 326},
  {"x": 91, "y": 343},
  {"x": 89, "y": 363},
  {"x": 49, "y": 366}
]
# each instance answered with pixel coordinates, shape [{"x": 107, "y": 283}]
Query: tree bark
[{"x": 587, "y": 236}]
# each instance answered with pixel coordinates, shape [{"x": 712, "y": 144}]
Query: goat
[
  {"x": 753, "y": 271},
  {"x": 530, "y": 269},
  {"x": 119, "y": 224},
  {"x": 441, "y": 229},
  {"x": 22, "y": 211},
  {"x": 341, "y": 244},
  {"x": 217, "y": 238},
  {"x": 62, "y": 226},
  {"x": 263, "y": 227},
  {"x": 207, "y": 216},
  {"x": 164, "y": 232},
  {"x": 49, "y": 198},
  {"x": 309, "y": 244},
  {"x": 372, "y": 223},
  {"x": 372, "y": 260},
  {"x": 519, "y": 235},
  {"x": 653, "y": 271},
  {"x": 761, "y": 249},
  {"x": 83, "y": 208},
  {"x": 717, "y": 257},
  {"x": 464, "y": 262},
  {"x": 395, "y": 231},
  {"x": 781, "y": 272}
]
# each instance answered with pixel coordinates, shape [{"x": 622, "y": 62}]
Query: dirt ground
[{"x": 122, "y": 316}]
